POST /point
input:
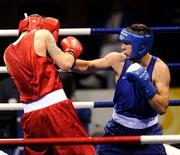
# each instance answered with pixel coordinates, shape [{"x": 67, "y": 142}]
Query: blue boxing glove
[{"x": 138, "y": 75}]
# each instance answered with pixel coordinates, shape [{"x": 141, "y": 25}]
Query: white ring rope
[
  {"x": 160, "y": 139},
  {"x": 3, "y": 70},
  {"x": 19, "y": 106},
  {"x": 62, "y": 32}
]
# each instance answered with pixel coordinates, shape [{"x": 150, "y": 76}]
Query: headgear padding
[
  {"x": 141, "y": 44},
  {"x": 35, "y": 22},
  {"x": 30, "y": 23},
  {"x": 52, "y": 24}
]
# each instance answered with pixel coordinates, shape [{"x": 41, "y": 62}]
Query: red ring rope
[
  {"x": 74, "y": 140},
  {"x": 143, "y": 139}
]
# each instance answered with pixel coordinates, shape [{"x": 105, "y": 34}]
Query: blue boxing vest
[
  {"x": 129, "y": 100},
  {"x": 130, "y": 112}
]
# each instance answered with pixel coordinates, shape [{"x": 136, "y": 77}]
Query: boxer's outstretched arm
[{"x": 107, "y": 62}]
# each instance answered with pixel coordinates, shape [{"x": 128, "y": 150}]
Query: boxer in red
[{"x": 32, "y": 61}]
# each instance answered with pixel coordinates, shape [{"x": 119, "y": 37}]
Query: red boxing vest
[{"x": 33, "y": 75}]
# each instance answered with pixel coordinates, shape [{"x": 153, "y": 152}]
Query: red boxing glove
[{"x": 71, "y": 44}]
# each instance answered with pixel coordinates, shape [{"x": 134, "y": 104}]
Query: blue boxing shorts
[{"x": 113, "y": 128}]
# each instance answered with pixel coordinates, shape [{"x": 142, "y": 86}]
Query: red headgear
[
  {"x": 35, "y": 22},
  {"x": 51, "y": 24}
]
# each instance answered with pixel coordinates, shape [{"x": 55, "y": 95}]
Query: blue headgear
[{"x": 141, "y": 44}]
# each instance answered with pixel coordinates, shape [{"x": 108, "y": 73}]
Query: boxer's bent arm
[
  {"x": 63, "y": 60},
  {"x": 160, "y": 101}
]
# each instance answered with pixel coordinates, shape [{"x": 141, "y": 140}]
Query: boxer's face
[{"x": 126, "y": 49}]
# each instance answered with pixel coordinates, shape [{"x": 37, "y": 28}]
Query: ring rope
[
  {"x": 3, "y": 69},
  {"x": 150, "y": 139},
  {"x": 89, "y": 31},
  {"x": 77, "y": 105},
  {"x": 111, "y": 104},
  {"x": 117, "y": 30},
  {"x": 173, "y": 65}
]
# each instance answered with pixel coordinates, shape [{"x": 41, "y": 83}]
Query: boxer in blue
[{"x": 142, "y": 91}]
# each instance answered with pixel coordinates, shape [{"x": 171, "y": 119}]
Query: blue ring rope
[
  {"x": 111, "y": 104},
  {"x": 174, "y": 65},
  {"x": 117, "y": 30}
]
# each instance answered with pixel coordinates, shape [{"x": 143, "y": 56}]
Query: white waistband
[
  {"x": 45, "y": 101},
  {"x": 134, "y": 123}
]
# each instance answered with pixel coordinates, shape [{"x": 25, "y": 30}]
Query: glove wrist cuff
[
  {"x": 72, "y": 53},
  {"x": 150, "y": 91}
]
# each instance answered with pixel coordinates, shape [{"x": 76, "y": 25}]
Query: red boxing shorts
[{"x": 57, "y": 120}]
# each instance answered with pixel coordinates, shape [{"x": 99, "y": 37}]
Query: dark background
[{"x": 94, "y": 13}]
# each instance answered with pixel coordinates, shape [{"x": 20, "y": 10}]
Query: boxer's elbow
[
  {"x": 159, "y": 104},
  {"x": 67, "y": 63},
  {"x": 67, "y": 66},
  {"x": 162, "y": 109}
]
